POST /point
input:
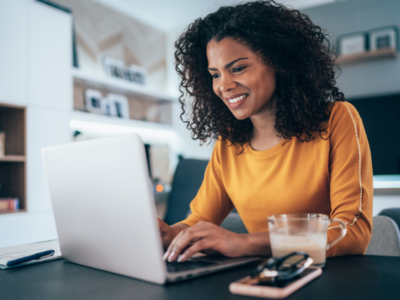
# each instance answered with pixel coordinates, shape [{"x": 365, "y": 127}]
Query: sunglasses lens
[
  {"x": 295, "y": 261},
  {"x": 285, "y": 268}
]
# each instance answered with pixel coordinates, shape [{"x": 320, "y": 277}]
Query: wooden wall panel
[
  {"x": 13, "y": 181},
  {"x": 12, "y": 122}
]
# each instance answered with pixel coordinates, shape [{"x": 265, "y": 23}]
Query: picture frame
[
  {"x": 353, "y": 43},
  {"x": 114, "y": 67},
  {"x": 136, "y": 74},
  {"x": 108, "y": 108},
  {"x": 383, "y": 38},
  {"x": 119, "y": 106},
  {"x": 93, "y": 101},
  {"x": 106, "y": 63}
]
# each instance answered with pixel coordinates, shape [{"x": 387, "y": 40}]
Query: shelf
[
  {"x": 386, "y": 182},
  {"x": 119, "y": 86},
  {"x": 12, "y": 211},
  {"x": 128, "y": 123},
  {"x": 371, "y": 55},
  {"x": 99, "y": 125},
  {"x": 12, "y": 158}
]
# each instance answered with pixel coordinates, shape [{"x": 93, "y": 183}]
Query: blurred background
[{"x": 72, "y": 70}]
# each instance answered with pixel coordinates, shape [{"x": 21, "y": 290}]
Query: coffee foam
[{"x": 313, "y": 244}]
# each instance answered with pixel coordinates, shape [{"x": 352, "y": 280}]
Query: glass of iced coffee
[{"x": 302, "y": 232}]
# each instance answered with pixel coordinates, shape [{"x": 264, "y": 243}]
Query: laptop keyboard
[{"x": 175, "y": 267}]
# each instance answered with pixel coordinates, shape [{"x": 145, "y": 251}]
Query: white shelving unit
[
  {"x": 119, "y": 86},
  {"x": 37, "y": 53},
  {"x": 98, "y": 125},
  {"x": 127, "y": 123}
]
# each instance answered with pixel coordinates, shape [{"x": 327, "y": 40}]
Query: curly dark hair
[{"x": 286, "y": 40}]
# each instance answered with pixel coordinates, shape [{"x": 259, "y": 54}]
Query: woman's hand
[
  {"x": 207, "y": 238},
  {"x": 168, "y": 233}
]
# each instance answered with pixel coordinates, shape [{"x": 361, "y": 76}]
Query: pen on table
[{"x": 36, "y": 256}]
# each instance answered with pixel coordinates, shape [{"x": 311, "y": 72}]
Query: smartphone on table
[{"x": 268, "y": 288}]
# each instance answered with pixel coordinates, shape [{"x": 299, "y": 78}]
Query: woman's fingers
[
  {"x": 198, "y": 246},
  {"x": 168, "y": 252},
  {"x": 181, "y": 242},
  {"x": 184, "y": 239},
  {"x": 204, "y": 237}
]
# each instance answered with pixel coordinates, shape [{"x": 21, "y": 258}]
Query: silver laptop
[{"x": 105, "y": 213}]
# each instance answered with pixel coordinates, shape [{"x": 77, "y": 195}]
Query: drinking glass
[{"x": 302, "y": 232}]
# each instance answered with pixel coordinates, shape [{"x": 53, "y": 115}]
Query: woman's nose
[{"x": 227, "y": 84}]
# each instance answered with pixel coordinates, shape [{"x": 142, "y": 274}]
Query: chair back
[
  {"x": 385, "y": 239},
  {"x": 189, "y": 175}
]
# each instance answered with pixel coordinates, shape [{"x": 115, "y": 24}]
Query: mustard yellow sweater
[{"x": 331, "y": 176}]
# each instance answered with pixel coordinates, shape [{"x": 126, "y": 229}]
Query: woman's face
[{"x": 240, "y": 78}]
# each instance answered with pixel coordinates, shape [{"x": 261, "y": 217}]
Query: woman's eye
[
  {"x": 238, "y": 69},
  {"x": 214, "y": 76}
]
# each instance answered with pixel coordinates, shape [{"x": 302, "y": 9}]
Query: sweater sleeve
[
  {"x": 351, "y": 181},
  {"x": 212, "y": 203}
]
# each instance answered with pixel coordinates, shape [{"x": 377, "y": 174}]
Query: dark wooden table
[{"x": 350, "y": 277}]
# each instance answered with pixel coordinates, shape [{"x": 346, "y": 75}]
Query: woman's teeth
[{"x": 234, "y": 100}]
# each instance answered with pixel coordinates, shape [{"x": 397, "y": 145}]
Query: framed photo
[
  {"x": 383, "y": 38},
  {"x": 354, "y": 43},
  {"x": 93, "y": 101},
  {"x": 119, "y": 106},
  {"x": 108, "y": 108},
  {"x": 114, "y": 67},
  {"x": 136, "y": 74},
  {"x": 106, "y": 63}
]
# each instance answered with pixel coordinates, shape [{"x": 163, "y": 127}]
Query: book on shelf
[{"x": 9, "y": 204}]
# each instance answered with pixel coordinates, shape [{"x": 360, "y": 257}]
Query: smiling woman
[
  {"x": 263, "y": 84},
  {"x": 285, "y": 40}
]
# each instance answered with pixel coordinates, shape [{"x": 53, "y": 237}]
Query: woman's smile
[{"x": 237, "y": 100}]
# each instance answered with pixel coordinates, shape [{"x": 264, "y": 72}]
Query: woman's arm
[
  {"x": 351, "y": 190},
  {"x": 212, "y": 203}
]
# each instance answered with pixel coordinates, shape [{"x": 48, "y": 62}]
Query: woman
[{"x": 262, "y": 82}]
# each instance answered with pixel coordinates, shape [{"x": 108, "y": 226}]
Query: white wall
[
  {"x": 168, "y": 15},
  {"x": 13, "y": 61},
  {"x": 386, "y": 199},
  {"x": 44, "y": 86}
]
